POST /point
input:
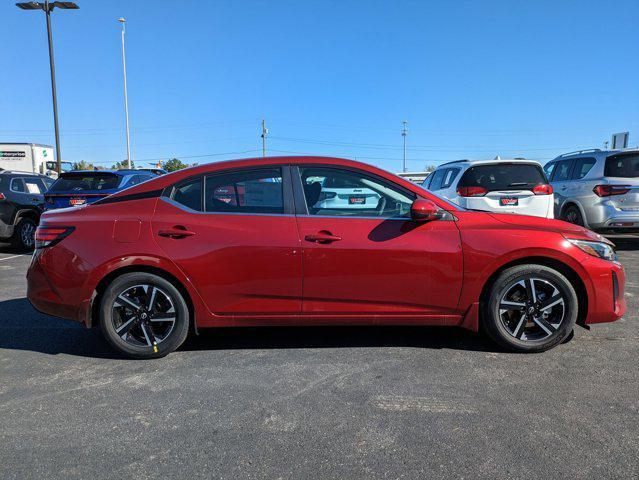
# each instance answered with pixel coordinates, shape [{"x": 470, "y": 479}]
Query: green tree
[
  {"x": 430, "y": 168},
  {"x": 173, "y": 165},
  {"x": 121, "y": 165},
  {"x": 83, "y": 165}
]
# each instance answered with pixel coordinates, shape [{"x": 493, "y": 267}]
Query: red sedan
[{"x": 262, "y": 242}]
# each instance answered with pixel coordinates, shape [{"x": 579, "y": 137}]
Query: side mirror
[{"x": 423, "y": 210}]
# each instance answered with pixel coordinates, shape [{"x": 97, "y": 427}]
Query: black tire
[
  {"x": 24, "y": 235},
  {"x": 127, "y": 344},
  {"x": 572, "y": 214},
  {"x": 544, "y": 335}
]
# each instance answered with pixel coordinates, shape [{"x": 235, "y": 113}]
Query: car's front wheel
[
  {"x": 143, "y": 315},
  {"x": 530, "y": 308}
]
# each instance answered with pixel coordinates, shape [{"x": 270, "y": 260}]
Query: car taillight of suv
[{"x": 609, "y": 190}]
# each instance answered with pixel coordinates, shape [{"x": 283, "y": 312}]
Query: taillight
[
  {"x": 542, "y": 189},
  {"x": 49, "y": 236},
  {"x": 608, "y": 190},
  {"x": 471, "y": 191},
  {"x": 2, "y": 197}
]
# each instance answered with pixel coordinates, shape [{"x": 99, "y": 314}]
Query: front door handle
[
  {"x": 323, "y": 236},
  {"x": 176, "y": 232}
]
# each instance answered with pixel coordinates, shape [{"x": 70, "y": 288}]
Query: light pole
[
  {"x": 264, "y": 135},
  {"x": 404, "y": 133},
  {"x": 126, "y": 98},
  {"x": 48, "y": 7}
]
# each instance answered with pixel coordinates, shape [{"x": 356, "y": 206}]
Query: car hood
[{"x": 558, "y": 226}]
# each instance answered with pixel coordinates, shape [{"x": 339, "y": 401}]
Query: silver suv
[{"x": 598, "y": 189}]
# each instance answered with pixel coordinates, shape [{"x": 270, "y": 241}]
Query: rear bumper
[
  {"x": 606, "y": 216},
  {"x": 45, "y": 297}
]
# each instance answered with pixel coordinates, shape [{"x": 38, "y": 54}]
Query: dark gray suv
[{"x": 21, "y": 203}]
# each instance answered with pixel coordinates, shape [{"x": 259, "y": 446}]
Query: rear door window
[
  {"x": 245, "y": 191},
  {"x": 17, "y": 185},
  {"x": 622, "y": 166},
  {"x": 582, "y": 167},
  {"x": 34, "y": 185},
  {"x": 503, "y": 176},
  {"x": 562, "y": 171}
]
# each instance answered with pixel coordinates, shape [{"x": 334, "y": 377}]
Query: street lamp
[
  {"x": 126, "y": 99},
  {"x": 48, "y": 7}
]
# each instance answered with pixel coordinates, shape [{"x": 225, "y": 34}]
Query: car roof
[
  {"x": 596, "y": 152},
  {"x": 471, "y": 163},
  {"x": 98, "y": 172},
  {"x": 19, "y": 173}
]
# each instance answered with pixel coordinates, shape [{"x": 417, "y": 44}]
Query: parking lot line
[{"x": 9, "y": 258}]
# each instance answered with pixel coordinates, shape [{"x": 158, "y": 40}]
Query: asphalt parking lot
[{"x": 316, "y": 403}]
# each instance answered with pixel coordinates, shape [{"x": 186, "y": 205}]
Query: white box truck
[{"x": 30, "y": 157}]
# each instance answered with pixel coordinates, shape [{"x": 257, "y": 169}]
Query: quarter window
[
  {"x": 436, "y": 181},
  {"x": 548, "y": 169},
  {"x": 450, "y": 176},
  {"x": 342, "y": 192},
  {"x": 247, "y": 191},
  {"x": 188, "y": 194}
]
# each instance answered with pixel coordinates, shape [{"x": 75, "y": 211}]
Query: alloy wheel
[
  {"x": 143, "y": 315},
  {"x": 532, "y": 309},
  {"x": 27, "y": 234}
]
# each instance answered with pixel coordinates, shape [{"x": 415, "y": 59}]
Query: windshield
[
  {"x": 623, "y": 166},
  {"x": 77, "y": 182},
  {"x": 503, "y": 176}
]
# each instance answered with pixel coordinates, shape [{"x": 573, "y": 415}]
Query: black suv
[{"x": 21, "y": 203}]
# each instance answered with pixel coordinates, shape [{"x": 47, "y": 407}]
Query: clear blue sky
[{"x": 473, "y": 78}]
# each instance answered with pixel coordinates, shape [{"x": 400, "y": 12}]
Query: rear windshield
[
  {"x": 77, "y": 182},
  {"x": 503, "y": 176},
  {"x": 624, "y": 166}
]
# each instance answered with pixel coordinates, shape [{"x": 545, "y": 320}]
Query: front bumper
[{"x": 607, "y": 302}]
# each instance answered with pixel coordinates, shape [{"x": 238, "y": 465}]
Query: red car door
[
  {"x": 235, "y": 237},
  {"x": 362, "y": 255}
]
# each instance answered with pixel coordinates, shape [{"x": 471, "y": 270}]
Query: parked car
[
  {"x": 81, "y": 187},
  {"x": 597, "y": 189},
  {"x": 508, "y": 186},
  {"x": 21, "y": 203},
  {"x": 168, "y": 256},
  {"x": 341, "y": 193}
]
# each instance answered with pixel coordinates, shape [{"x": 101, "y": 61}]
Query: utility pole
[
  {"x": 126, "y": 98},
  {"x": 404, "y": 133},
  {"x": 48, "y": 8},
  {"x": 264, "y": 135}
]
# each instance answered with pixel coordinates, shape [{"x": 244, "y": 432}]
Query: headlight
[{"x": 596, "y": 249}]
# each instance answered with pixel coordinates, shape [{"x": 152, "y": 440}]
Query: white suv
[{"x": 506, "y": 186}]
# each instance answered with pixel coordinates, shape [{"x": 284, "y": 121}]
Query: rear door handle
[
  {"x": 176, "y": 232},
  {"x": 323, "y": 236}
]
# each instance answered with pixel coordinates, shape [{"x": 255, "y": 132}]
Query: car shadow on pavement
[
  {"x": 338, "y": 337},
  {"x": 626, "y": 243},
  {"x": 23, "y": 328}
]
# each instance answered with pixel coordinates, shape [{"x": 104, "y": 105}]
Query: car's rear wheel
[
  {"x": 24, "y": 234},
  {"x": 573, "y": 215},
  {"x": 143, "y": 315},
  {"x": 530, "y": 308}
]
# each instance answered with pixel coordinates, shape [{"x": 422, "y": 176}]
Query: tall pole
[
  {"x": 404, "y": 133},
  {"x": 264, "y": 135},
  {"x": 47, "y": 10},
  {"x": 126, "y": 98}
]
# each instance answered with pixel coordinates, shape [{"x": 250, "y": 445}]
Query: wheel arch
[
  {"x": 137, "y": 268},
  {"x": 574, "y": 203},
  {"x": 26, "y": 213},
  {"x": 561, "y": 267}
]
